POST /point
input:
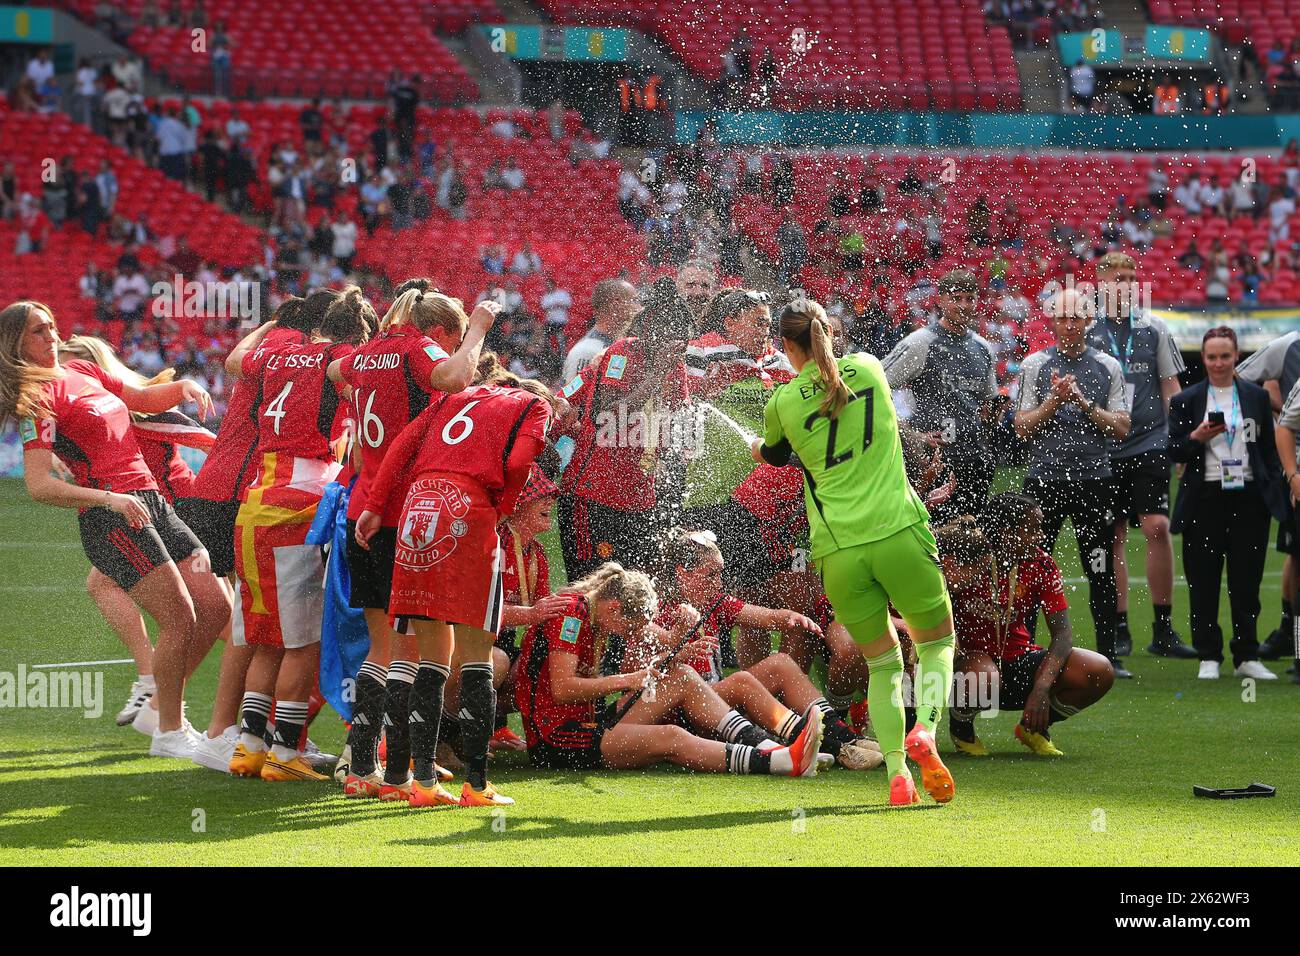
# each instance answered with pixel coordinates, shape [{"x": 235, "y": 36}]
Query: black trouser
[
  {"x": 1088, "y": 507},
  {"x": 1231, "y": 524},
  {"x": 974, "y": 478}
]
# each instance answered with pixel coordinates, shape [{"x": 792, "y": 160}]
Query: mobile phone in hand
[{"x": 1216, "y": 418}]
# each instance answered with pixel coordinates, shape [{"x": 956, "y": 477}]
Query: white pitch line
[
  {"x": 1133, "y": 580},
  {"x": 37, "y": 667},
  {"x": 38, "y": 588},
  {"x": 39, "y": 544}
]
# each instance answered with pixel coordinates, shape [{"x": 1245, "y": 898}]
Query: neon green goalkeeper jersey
[{"x": 855, "y": 486}]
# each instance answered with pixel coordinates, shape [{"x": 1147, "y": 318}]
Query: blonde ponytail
[{"x": 804, "y": 323}]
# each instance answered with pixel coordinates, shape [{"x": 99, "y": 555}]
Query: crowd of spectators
[{"x": 1033, "y": 22}]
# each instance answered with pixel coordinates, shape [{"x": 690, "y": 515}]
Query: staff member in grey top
[
  {"x": 1222, "y": 430},
  {"x": 1277, "y": 368},
  {"x": 1071, "y": 408},
  {"x": 613, "y": 305},
  {"x": 952, "y": 373},
  {"x": 1140, "y": 463}
]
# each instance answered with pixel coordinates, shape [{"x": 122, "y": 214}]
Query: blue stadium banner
[
  {"x": 1178, "y": 43},
  {"x": 572, "y": 44},
  {"x": 26, "y": 25},
  {"x": 1091, "y": 46}
]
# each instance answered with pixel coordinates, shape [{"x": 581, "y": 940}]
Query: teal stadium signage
[{"x": 567, "y": 44}]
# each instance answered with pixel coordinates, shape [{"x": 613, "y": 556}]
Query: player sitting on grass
[
  {"x": 693, "y": 574},
  {"x": 998, "y": 574},
  {"x": 561, "y": 694}
]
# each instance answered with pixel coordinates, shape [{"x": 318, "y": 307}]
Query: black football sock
[
  {"x": 1121, "y": 619},
  {"x": 290, "y": 718},
  {"x": 1164, "y": 616},
  {"x": 426, "y": 716},
  {"x": 477, "y": 705},
  {"x": 367, "y": 717},
  {"x": 1288, "y": 618},
  {"x": 835, "y": 735},
  {"x": 1059, "y": 711},
  {"x": 735, "y": 729},
  {"x": 743, "y": 759},
  {"x": 255, "y": 710},
  {"x": 397, "y": 716}
]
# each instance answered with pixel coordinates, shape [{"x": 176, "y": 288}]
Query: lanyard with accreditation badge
[
  {"x": 1123, "y": 358},
  {"x": 1233, "y": 469}
]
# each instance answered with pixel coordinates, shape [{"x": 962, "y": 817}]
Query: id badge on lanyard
[{"x": 1234, "y": 474}]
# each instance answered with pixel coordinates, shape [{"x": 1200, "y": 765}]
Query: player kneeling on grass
[
  {"x": 693, "y": 574},
  {"x": 999, "y": 574},
  {"x": 561, "y": 693}
]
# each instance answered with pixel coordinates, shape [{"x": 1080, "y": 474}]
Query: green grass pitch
[{"x": 76, "y": 791}]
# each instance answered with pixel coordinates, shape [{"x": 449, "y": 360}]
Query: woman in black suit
[{"x": 1221, "y": 429}]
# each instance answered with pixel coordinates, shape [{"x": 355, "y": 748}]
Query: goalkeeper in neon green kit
[{"x": 870, "y": 536}]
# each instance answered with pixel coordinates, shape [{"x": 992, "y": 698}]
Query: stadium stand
[
  {"x": 330, "y": 48},
  {"x": 26, "y": 139},
  {"x": 938, "y": 54},
  {"x": 1047, "y": 190},
  {"x": 1272, "y": 27}
]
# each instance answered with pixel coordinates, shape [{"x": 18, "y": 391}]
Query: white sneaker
[
  {"x": 140, "y": 694},
  {"x": 146, "y": 720},
  {"x": 1209, "y": 670},
  {"x": 174, "y": 743},
  {"x": 215, "y": 752},
  {"x": 318, "y": 759},
  {"x": 1256, "y": 670}
]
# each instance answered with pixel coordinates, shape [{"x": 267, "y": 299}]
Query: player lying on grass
[
  {"x": 999, "y": 574},
  {"x": 693, "y": 575},
  {"x": 160, "y": 437},
  {"x": 869, "y": 534},
  {"x": 561, "y": 694},
  {"x": 461, "y": 465},
  {"x": 129, "y": 531}
]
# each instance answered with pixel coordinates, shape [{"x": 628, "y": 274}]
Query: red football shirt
[
  {"x": 389, "y": 376},
  {"x": 299, "y": 404},
  {"x": 542, "y": 714},
  {"x": 89, "y": 429},
  {"x": 231, "y": 463},
  {"x": 611, "y": 464},
  {"x": 537, "y": 572},
  {"x": 990, "y": 617},
  {"x": 489, "y": 433},
  {"x": 718, "y": 624},
  {"x": 160, "y": 438}
]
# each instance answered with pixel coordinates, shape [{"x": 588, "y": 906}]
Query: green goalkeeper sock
[
  {"x": 885, "y": 703},
  {"x": 933, "y": 678}
]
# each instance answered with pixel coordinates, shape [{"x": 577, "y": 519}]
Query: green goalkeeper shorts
[{"x": 903, "y": 569}]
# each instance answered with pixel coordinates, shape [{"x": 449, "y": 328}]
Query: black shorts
[
  {"x": 1018, "y": 679},
  {"x": 584, "y": 756},
  {"x": 126, "y": 555},
  {"x": 749, "y": 563},
  {"x": 592, "y": 534},
  {"x": 371, "y": 571},
  {"x": 213, "y": 523},
  {"x": 507, "y": 642},
  {"x": 1140, "y": 486}
]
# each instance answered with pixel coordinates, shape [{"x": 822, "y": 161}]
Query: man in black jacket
[{"x": 1221, "y": 429}]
